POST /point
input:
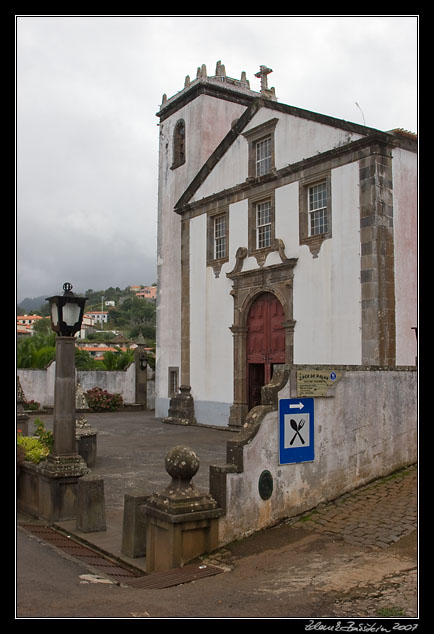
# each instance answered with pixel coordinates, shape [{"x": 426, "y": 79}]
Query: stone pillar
[
  {"x": 134, "y": 525},
  {"x": 141, "y": 375},
  {"x": 64, "y": 398},
  {"x": 377, "y": 258},
  {"x": 240, "y": 408},
  {"x": 90, "y": 504},
  {"x": 182, "y": 522},
  {"x": 59, "y": 474}
]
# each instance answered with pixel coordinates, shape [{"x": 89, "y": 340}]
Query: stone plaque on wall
[{"x": 316, "y": 382}]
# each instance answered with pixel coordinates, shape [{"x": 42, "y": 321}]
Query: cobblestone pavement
[
  {"x": 375, "y": 516},
  {"x": 381, "y": 516}
]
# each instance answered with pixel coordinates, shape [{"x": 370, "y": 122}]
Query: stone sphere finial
[{"x": 182, "y": 463}]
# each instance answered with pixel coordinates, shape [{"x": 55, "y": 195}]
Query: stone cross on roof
[{"x": 263, "y": 72}]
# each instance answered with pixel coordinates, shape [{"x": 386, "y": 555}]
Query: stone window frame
[
  {"x": 314, "y": 242},
  {"x": 179, "y": 153},
  {"x": 255, "y": 135},
  {"x": 260, "y": 197},
  {"x": 211, "y": 260}
]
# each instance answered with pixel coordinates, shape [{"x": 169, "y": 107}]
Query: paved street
[
  {"x": 353, "y": 557},
  {"x": 375, "y": 516}
]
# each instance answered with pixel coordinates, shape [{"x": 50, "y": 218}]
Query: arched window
[{"x": 179, "y": 144}]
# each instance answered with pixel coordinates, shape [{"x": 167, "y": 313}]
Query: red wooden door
[{"x": 265, "y": 343}]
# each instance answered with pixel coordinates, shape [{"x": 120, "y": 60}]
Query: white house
[
  {"x": 98, "y": 316},
  {"x": 284, "y": 236}
]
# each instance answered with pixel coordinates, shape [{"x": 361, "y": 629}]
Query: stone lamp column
[
  {"x": 59, "y": 474},
  {"x": 64, "y": 466}
]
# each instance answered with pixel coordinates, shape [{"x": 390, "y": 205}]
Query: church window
[
  {"x": 220, "y": 237},
  {"x": 261, "y": 215},
  {"x": 263, "y": 156},
  {"x": 261, "y": 160},
  {"x": 315, "y": 210},
  {"x": 179, "y": 144},
  {"x": 217, "y": 237},
  {"x": 317, "y": 205},
  {"x": 263, "y": 224}
]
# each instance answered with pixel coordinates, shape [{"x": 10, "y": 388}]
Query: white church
[{"x": 284, "y": 237}]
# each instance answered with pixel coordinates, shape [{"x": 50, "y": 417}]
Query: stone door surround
[{"x": 246, "y": 287}]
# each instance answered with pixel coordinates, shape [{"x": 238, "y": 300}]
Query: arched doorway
[{"x": 265, "y": 344}]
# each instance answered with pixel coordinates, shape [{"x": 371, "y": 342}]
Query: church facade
[{"x": 284, "y": 236}]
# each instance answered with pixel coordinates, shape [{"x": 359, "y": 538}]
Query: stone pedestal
[
  {"x": 58, "y": 481},
  {"x": 86, "y": 438},
  {"x": 182, "y": 522},
  {"x": 181, "y": 409}
]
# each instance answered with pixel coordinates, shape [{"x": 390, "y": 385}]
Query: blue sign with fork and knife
[{"x": 296, "y": 427}]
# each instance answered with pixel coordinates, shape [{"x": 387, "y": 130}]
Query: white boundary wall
[
  {"x": 38, "y": 385},
  {"x": 367, "y": 430}
]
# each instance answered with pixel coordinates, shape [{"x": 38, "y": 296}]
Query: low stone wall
[
  {"x": 366, "y": 429},
  {"x": 38, "y": 385}
]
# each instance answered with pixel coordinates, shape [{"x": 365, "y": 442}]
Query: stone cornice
[{"x": 376, "y": 143}]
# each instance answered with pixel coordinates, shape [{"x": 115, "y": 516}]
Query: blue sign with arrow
[{"x": 296, "y": 426}]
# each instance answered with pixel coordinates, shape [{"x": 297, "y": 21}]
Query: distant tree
[
  {"x": 42, "y": 326},
  {"x": 100, "y": 336},
  {"x": 117, "y": 360},
  {"x": 36, "y": 351},
  {"x": 136, "y": 315},
  {"x": 40, "y": 349},
  {"x": 84, "y": 360}
]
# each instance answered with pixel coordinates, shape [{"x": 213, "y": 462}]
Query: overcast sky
[{"x": 88, "y": 89}]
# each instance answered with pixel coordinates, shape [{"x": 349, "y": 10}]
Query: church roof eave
[{"x": 246, "y": 117}]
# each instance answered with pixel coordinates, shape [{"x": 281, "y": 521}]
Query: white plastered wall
[
  {"x": 405, "y": 241},
  {"x": 211, "y": 350},
  {"x": 326, "y": 288}
]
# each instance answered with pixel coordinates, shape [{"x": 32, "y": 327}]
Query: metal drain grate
[
  {"x": 79, "y": 551},
  {"x": 156, "y": 580},
  {"x": 174, "y": 577}
]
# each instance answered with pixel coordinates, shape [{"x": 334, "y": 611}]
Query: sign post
[{"x": 296, "y": 427}]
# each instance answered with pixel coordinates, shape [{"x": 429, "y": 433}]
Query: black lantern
[
  {"x": 143, "y": 361},
  {"x": 66, "y": 312}
]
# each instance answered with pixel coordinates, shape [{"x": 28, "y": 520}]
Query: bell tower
[{"x": 192, "y": 123}]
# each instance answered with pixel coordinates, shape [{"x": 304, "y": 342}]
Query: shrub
[
  {"x": 21, "y": 454},
  {"x": 44, "y": 435},
  {"x": 31, "y": 405},
  {"x": 100, "y": 400},
  {"x": 34, "y": 449}
]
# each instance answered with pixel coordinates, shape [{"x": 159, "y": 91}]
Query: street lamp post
[{"x": 64, "y": 466}]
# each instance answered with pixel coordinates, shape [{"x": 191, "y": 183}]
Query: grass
[{"x": 389, "y": 612}]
